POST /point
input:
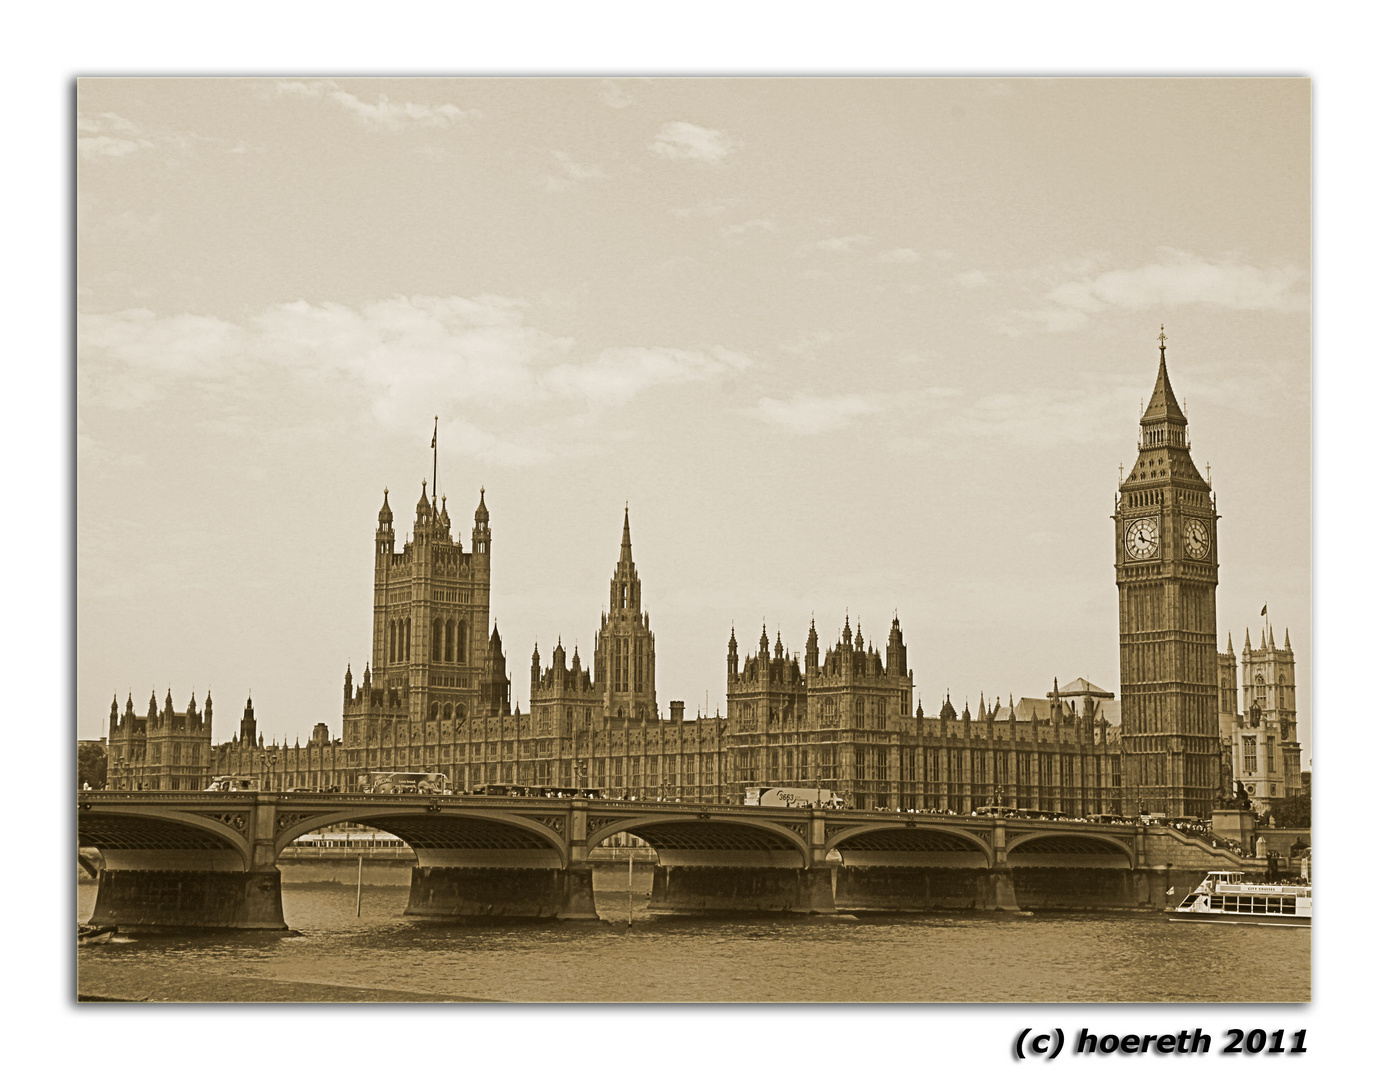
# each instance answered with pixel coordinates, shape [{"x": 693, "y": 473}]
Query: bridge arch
[
  {"x": 1058, "y": 847},
  {"x": 430, "y": 832},
  {"x": 704, "y": 836},
  {"x": 128, "y": 838},
  {"x": 910, "y": 841}
]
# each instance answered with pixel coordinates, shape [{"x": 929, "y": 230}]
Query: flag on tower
[
  {"x": 434, "y": 442},
  {"x": 1265, "y": 611}
]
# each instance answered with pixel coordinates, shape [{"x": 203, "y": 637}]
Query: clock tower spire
[{"x": 1166, "y": 570}]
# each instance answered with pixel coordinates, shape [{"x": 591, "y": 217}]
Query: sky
[{"x": 843, "y": 347}]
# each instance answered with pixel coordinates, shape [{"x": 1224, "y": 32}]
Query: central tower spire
[{"x": 624, "y": 661}]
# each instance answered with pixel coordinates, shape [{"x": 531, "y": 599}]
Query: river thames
[{"x": 384, "y": 955}]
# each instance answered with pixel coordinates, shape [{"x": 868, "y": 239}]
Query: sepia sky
[{"x": 864, "y": 346}]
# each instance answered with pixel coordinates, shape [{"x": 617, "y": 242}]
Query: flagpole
[{"x": 434, "y": 445}]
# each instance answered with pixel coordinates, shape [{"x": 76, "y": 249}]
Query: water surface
[{"x": 966, "y": 957}]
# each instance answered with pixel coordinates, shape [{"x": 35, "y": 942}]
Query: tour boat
[{"x": 1225, "y": 897}]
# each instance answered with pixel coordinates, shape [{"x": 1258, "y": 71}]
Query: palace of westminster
[{"x": 436, "y": 695}]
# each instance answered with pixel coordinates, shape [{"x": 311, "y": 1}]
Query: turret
[
  {"x": 115, "y": 714},
  {"x": 535, "y": 667},
  {"x": 732, "y": 653},
  {"x": 896, "y": 650},
  {"x": 385, "y": 530},
  {"x": 482, "y": 532},
  {"x": 424, "y": 514},
  {"x": 207, "y": 711},
  {"x": 347, "y": 687},
  {"x": 248, "y": 724},
  {"x": 812, "y": 649},
  {"x": 763, "y": 645}
]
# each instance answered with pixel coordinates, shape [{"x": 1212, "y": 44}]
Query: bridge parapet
[{"x": 500, "y": 855}]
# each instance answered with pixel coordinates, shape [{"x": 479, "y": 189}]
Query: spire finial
[{"x": 1162, "y": 342}]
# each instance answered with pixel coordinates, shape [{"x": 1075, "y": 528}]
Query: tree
[
  {"x": 1294, "y": 812},
  {"x": 91, "y": 764}
]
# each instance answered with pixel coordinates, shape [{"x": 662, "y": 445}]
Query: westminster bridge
[{"x": 209, "y": 858}]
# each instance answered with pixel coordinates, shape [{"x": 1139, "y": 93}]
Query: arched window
[
  {"x": 448, "y": 711},
  {"x": 391, "y": 649},
  {"x": 882, "y": 713},
  {"x": 434, "y": 711},
  {"x": 859, "y": 709},
  {"x": 437, "y": 651},
  {"x": 406, "y": 654},
  {"x": 448, "y": 641},
  {"x": 624, "y": 596},
  {"x": 462, "y": 642}
]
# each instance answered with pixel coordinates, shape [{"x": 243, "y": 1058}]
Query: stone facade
[
  {"x": 845, "y": 723},
  {"x": 162, "y": 750},
  {"x": 1166, "y": 566},
  {"x": 1260, "y": 744}
]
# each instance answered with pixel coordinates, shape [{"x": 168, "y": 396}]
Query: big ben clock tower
[{"x": 1166, "y": 569}]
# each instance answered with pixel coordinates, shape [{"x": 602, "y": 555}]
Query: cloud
[
  {"x": 382, "y": 113},
  {"x": 527, "y": 393},
  {"x": 703, "y": 208},
  {"x": 755, "y": 225},
  {"x": 900, "y": 255},
  {"x": 815, "y": 414},
  {"x": 971, "y": 279},
  {"x": 572, "y": 173},
  {"x": 1094, "y": 411},
  {"x": 681, "y": 141},
  {"x": 614, "y": 93},
  {"x": 619, "y": 375},
  {"x": 1181, "y": 278},
  {"x": 839, "y": 245},
  {"x": 106, "y": 135},
  {"x": 109, "y": 135}
]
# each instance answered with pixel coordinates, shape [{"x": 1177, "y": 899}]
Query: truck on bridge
[{"x": 792, "y": 798}]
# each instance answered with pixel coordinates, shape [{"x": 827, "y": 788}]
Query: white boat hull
[{"x": 1232, "y": 917}]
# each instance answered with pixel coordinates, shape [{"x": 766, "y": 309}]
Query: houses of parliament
[{"x": 436, "y": 695}]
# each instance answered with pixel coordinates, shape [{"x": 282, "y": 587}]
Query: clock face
[
  {"x": 1197, "y": 539},
  {"x": 1141, "y": 539}
]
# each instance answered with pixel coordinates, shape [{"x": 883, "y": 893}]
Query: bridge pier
[
  {"x": 214, "y": 899},
  {"x": 925, "y": 888},
  {"x": 502, "y": 892},
  {"x": 696, "y": 890}
]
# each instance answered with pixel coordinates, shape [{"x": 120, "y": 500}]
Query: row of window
[{"x": 1255, "y": 905}]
